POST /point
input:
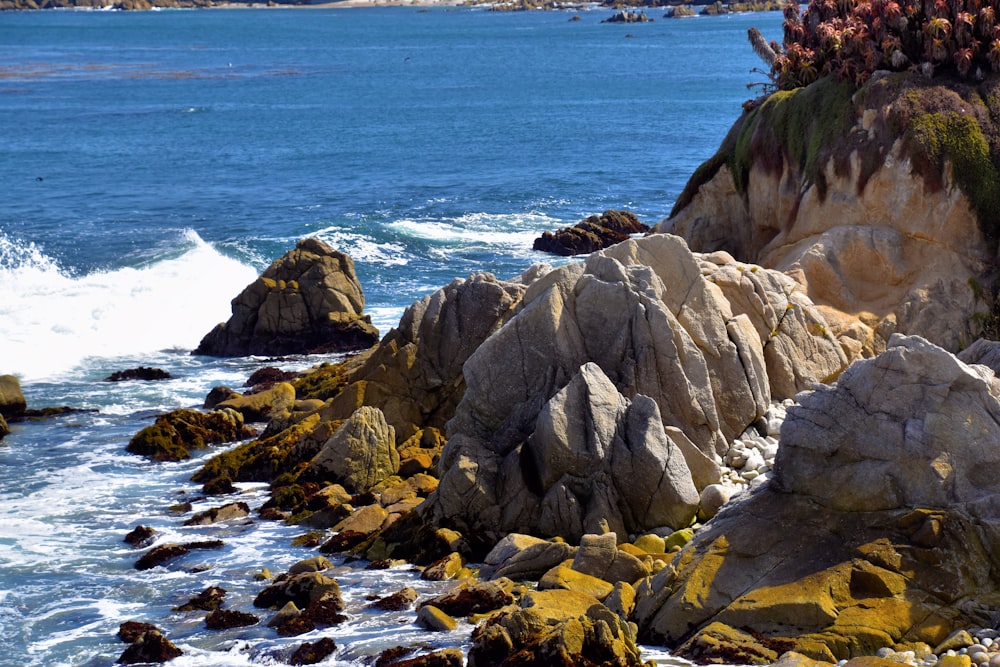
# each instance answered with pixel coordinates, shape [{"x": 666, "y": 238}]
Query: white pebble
[{"x": 750, "y": 475}]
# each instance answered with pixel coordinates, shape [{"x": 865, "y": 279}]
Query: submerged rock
[{"x": 308, "y": 300}]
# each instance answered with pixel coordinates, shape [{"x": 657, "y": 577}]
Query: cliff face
[{"x": 881, "y": 204}]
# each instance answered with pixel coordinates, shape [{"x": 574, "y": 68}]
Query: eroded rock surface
[
  {"x": 879, "y": 527},
  {"x": 308, "y": 300}
]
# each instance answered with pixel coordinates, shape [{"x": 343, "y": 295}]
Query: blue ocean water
[{"x": 154, "y": 163}]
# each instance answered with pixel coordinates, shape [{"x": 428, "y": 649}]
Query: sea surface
[{"x": 154, "y": 163}]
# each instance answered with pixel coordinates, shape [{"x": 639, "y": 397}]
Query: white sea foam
[
  {"x": 50, "y": 320},
  {"x": 362, "y": 248},
  {"x": 511, "y": 231}
]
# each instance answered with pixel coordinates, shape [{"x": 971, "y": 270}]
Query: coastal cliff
[{"x": 882, "y": 203}]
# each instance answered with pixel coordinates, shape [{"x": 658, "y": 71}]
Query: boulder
[
  {"x": 471, "y": 597},
  {"x": 523, "y": 557},
  {"x": 360, "y": 454},
  {"x": 4, "y": 428},
  {"x": 275, "y": 402},
  {"x": 643, "y": 313},
  {"x": 139, "y": 373},
  {"x": 554, "y": 628},
  {"x": 879, "y": 527},
  {"x": 148, "y": 646},
  {"x": 310, "y": 653},
  {"x": 12, "y": 403},
  {"x": 228, "y": 512},
  {"x": 595, "y": 233},
  {"x": 873, "y": 220},
  {"x": 308, "y": 300}
]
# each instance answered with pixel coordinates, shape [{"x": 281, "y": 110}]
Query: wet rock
[
  {"x": 432, "y": 618},
  {"x": 267, "y": 377},
  {"x": 177, "y": 432},
  {"x": 314, "y": 564},
  {"x": 139, "y": 373},
  {"x": 224, "y": 619},
  {"x": 450, "y": 657},
  {"x": 594, "y": 233},
  {"x": 302, "y": 589},
  {"x": 148, "y": 645},
  {"x": 217, "y": 395},
  {"x": 308, "y": 300},
  {"x": 165, "y": 553},
  {"x": 311, "y": 653},
  {"x": 471, "y": 597},
  {"x": 398, "y": 601},
  {"x": 12, "y": 403},
  {"x": 449, "y": 567},
  {"x": 228, "y": 512},
  {"x": 209, "y": 599},
  {"x": 140, "y": 536}
]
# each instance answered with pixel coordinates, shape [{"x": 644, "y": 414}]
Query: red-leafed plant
[{"x": 852, "y": 39}]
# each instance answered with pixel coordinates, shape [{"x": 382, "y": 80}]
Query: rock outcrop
[
  {"x": 174, "y": 434},
  {"x": 879, "y": 528},
  {"x": 308, "y": 300},
  {"x": 635, "y": 338},
  {"x": 594, "y": 233},
  {"x": 878, "y": 204},
  {"x": 359, "y": 454}
]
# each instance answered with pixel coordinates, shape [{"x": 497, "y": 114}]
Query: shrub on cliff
[{"x": 851, "y": 39}]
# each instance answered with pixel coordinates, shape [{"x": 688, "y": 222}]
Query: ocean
[{"x": 155, "y": 162}]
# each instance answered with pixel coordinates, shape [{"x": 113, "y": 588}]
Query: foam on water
[
  {"x": 515, "y": 232},
  {"x": 51, "y": 320}
]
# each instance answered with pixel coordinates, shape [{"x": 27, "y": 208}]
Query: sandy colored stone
[{"x": 569, "y": 579}]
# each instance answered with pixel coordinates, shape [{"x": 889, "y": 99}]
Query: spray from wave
[{"x": 50, "y": 320}]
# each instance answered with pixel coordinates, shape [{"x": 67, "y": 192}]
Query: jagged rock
[
  {"x": 274, "y": 402},
  {"x": 12, "y": 403},
  {"x": 415, "y": 374},
  {"x": 148, "y": 645},
  {"x": 523, "y": 557},
  {"x": 599, "y": 556},
  {"x": 594, "y": 233},
  {"x": 165, "y": 553},
  {"x": 471, "y": 597},
  {"x": 869, "y": 223},
  {"x": 308, "y": 300},
  {"x": 798, "y": 348},
  {"x": 449, "y": 657},
  {"x": 646, "y": 316},
  {"x": 401, "y": 599},
  {"x": 302, "y": 589},
  {"x": 228, "y": 512},
  {"x": 984, "y": 352},
  {"x": 554, "y": 628},
  {"x": 360, "y": 454},
  {"x": 177, "y": 432},
  {"x": 310, "y": 653},
  {"x": 879, "y": 525},
  {"x": 209, "y": 599}
]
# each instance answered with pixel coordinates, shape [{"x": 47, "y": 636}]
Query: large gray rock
[
  {"x": 913, "y": 427},
  {"x": 359, "y": 454},
  {"x": 308, "y": 300},
  {"x": 665, "y": 336},
  {"x": 414, "y": 375},
  {"x": 881, "y": 525}
]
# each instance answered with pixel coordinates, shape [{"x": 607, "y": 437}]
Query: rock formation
[
  {"x": 309, "y": 300},
  {"x": 879, "y": 528},
  {"x": 594, "y": 233},
  {"x": 653, "y": 326},
  {"x": 12, "y": 403},
  {"x": 886, "y": 227},
  {"x": 359, "y": 454}
]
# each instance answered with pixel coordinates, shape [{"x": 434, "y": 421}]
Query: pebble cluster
[
  {"x": 975, "y": 648},
  {"x": 751, "y": 456}
]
